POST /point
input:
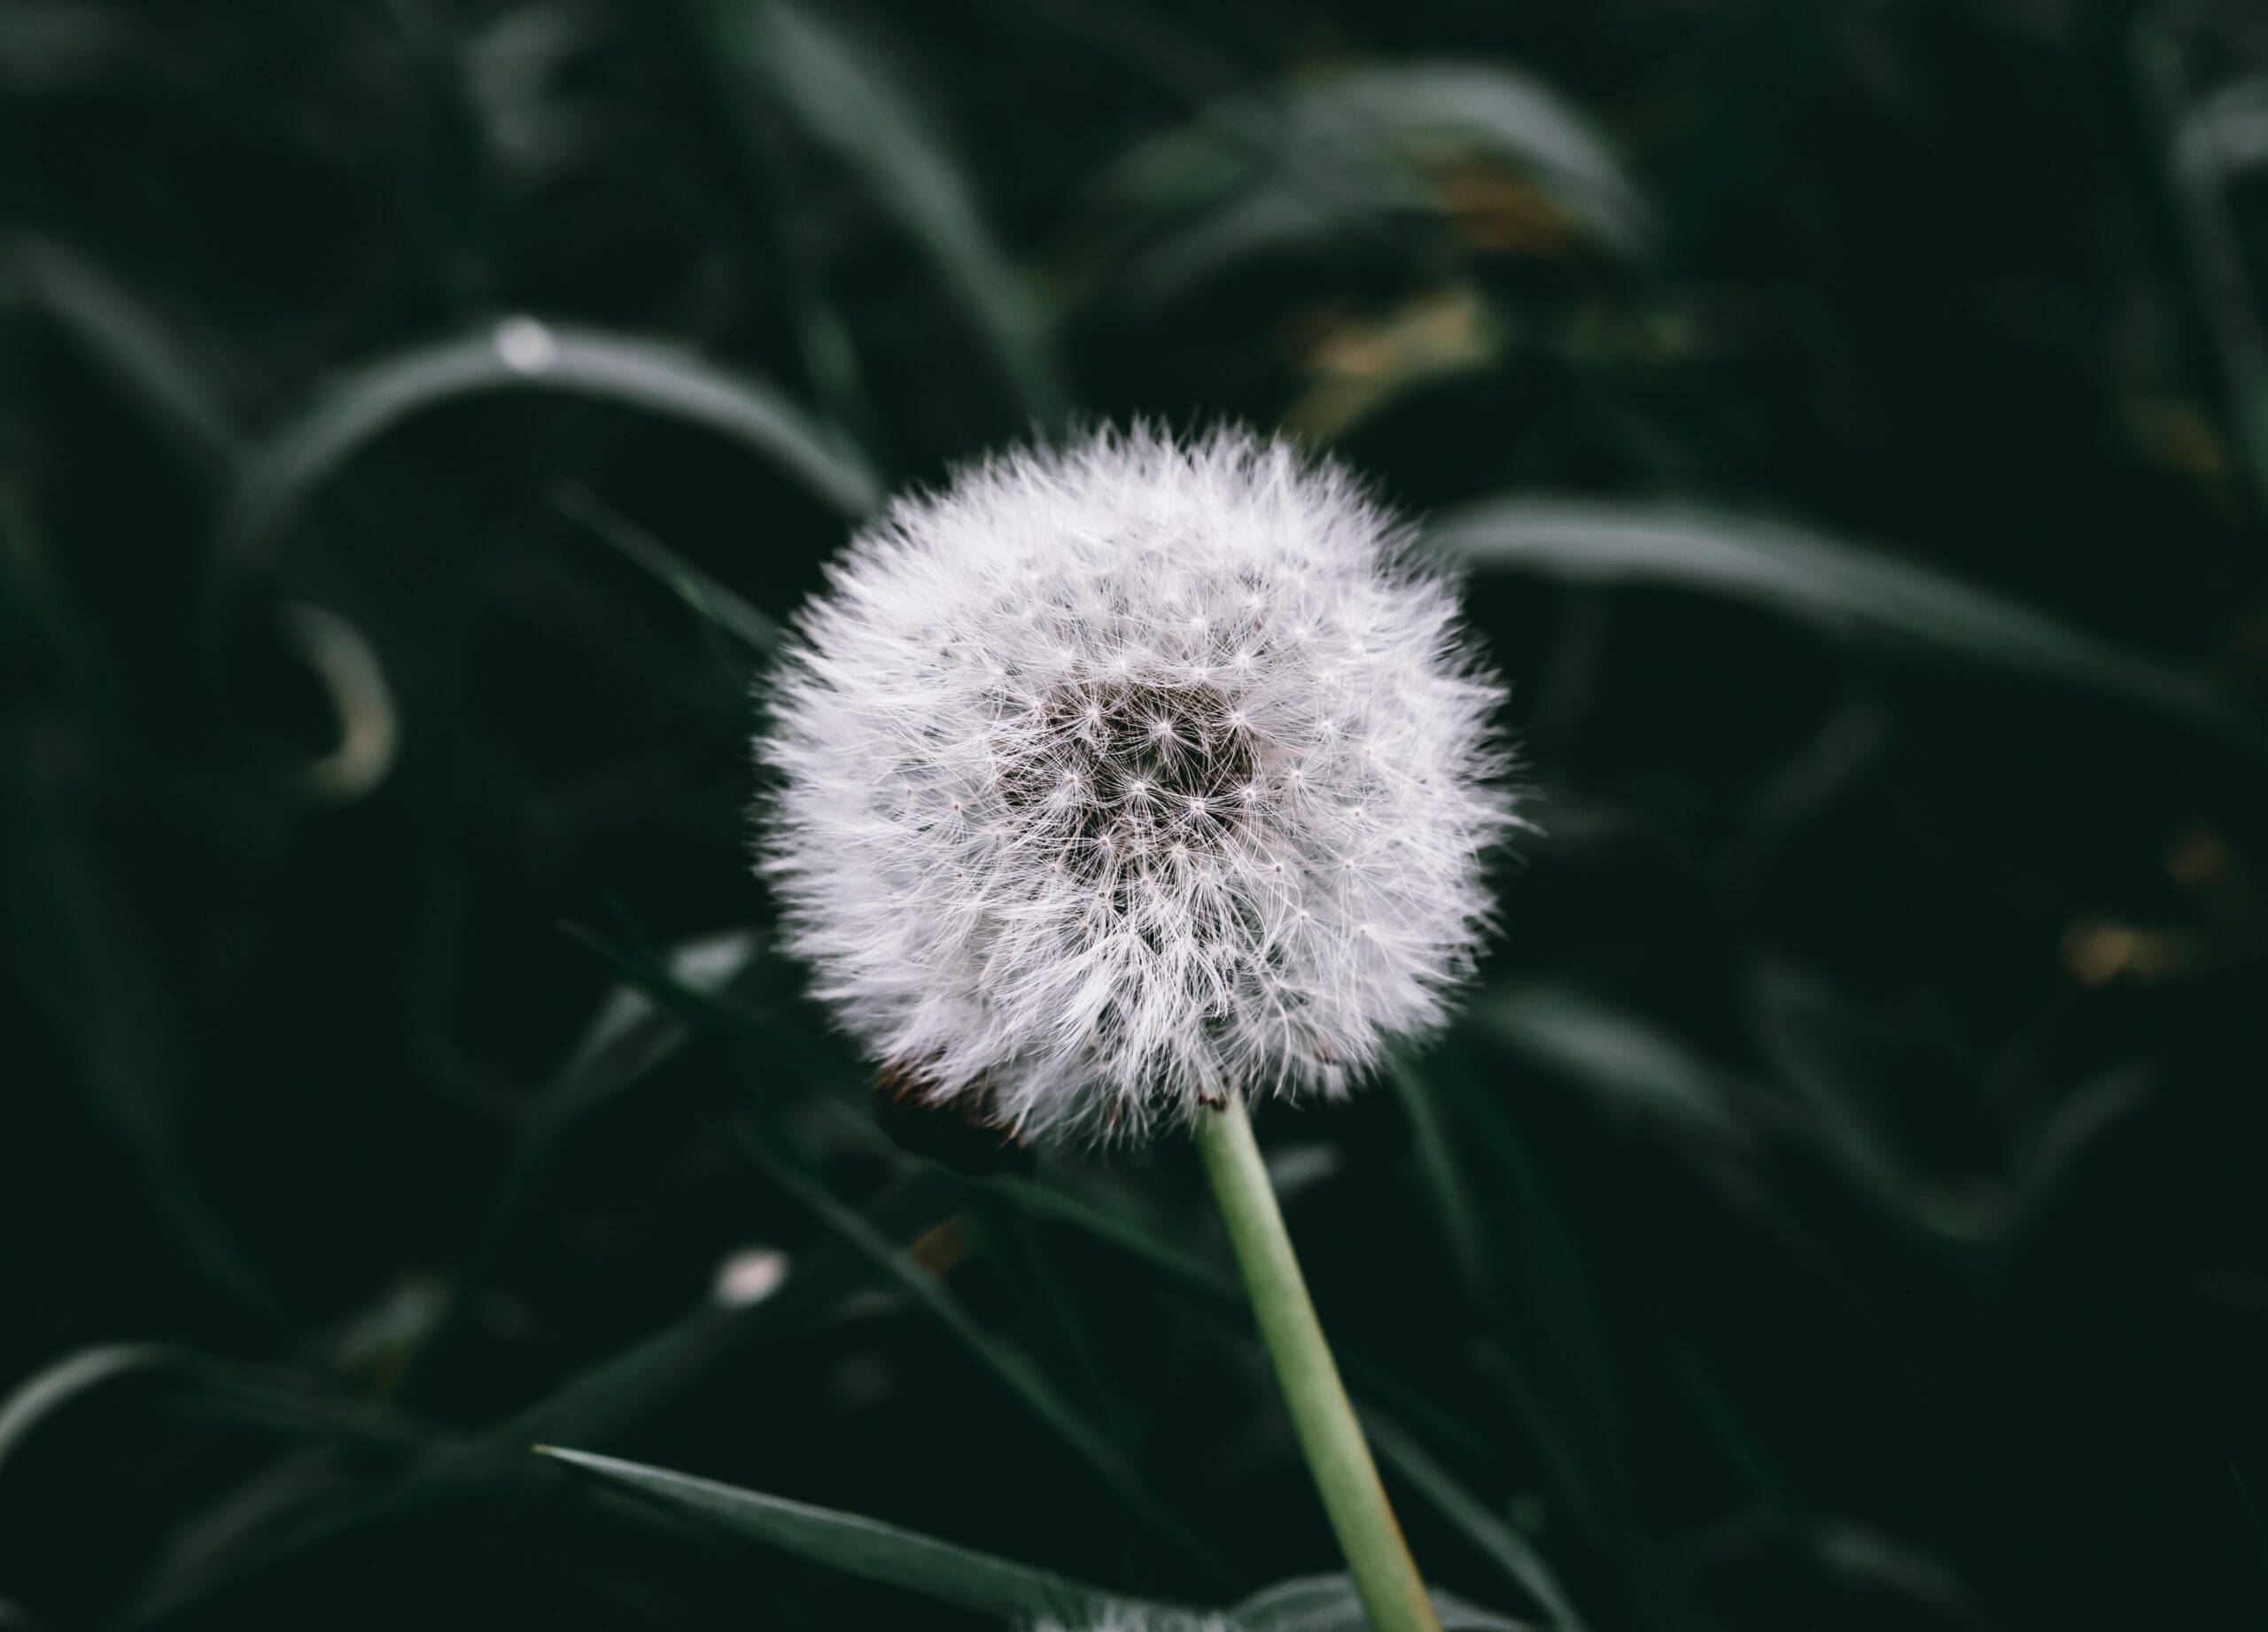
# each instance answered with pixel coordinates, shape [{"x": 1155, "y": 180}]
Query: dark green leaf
[
  {"x": 41, "y": 1395},
  {"x": 595, "y": 1405},
  {"x": 1549, "y": 1291},
  {"x": 108, "y": 994},
  {"x": 2201, "y": 143},
  {"x": 631, "y": 1036},
  {"x": 1349, "y": 153},
  {"x": 994, "y": 1353},
  {"x": 126, "y": 339},
  {"x": 1840, "y": 1064},
  {"x": 1488, "y": 112},
  {"x": 202, "y": 1385},
  {"x": 2226, "y": 131},
  {"x": 860, "y": 1546},
  {"x": 855, "y": 106},
  {"x": 1837, "y": 585},
  {"x": 752, "y": 627},
  {"x": 1505, "y": 1546},
  {"x": 631, "y": 1033},
  {"x": 721, "y": 1011},
  {"x": 1116, "y": 1230},
  {"x": 354, "y": 409},
  {"x": 1455, "y": 1208},
  {"x": 2074, "y": 1127},
  {"x": 1622, "y": 1058}
]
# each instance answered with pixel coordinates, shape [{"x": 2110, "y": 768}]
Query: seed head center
[{"x": 1123, "y": 773}]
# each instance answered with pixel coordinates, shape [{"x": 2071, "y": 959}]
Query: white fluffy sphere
[{"x": 1114, "y": 778}]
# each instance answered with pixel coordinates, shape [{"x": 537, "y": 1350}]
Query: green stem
[{"x": 1384, "y": 1575}]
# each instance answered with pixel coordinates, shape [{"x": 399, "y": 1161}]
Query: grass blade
[
  {"x": 631, "y": 1036},
  {"x": 2196, "y": 145},
  {"x": 595, "y": 1405},
  {"x": 754, "y": 628},
  {"x": 221, "y": 1390},
  {"x": 1620, "y": 1056},
  {"x": 1843, "y": 1064},
  {"x": 739, "y": 1018},
  {"x": 1498, "y": 114},
  {"x": 1358, "y": 153},
  {"x": 633, "y": 1033},
  {"x": 84, "y": 952},
  {"x": 858, "y": 1546},
  {"x": 125, "y": 340},
  {"x": 1838, "y": 586},
  {"x": 1047, "y": 1203},
  {"x": 360, "y": 405},
  {"x": 1009, "y": 1364},
  {"x": 1455, "y": 1208},
  {"x": 852, "y": 104},
  {"x": 49, "y": 1390},
  {"x": 1505, "y": 1546},
  {"x": 1215, "y": 1292}
]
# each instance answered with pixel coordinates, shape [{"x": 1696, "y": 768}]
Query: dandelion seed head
[
  {"x": 1129, "y": 1618},
  {"x": 1080, "y": 881}
]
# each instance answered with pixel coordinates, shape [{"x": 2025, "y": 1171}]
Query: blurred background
[{"x": 1840, "y": 1203}]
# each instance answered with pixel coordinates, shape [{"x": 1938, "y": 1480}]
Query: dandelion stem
[{"x": 1385, "y": 1576}]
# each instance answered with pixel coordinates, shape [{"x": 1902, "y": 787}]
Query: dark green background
[{"x": 1840, "y": 1205}]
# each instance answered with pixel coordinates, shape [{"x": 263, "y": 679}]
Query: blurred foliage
[{"x": 1839, "y": 1205}]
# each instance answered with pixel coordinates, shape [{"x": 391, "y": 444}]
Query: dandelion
[
  {"x": 1121, "y": 784},
  {"x": 1029, "y": 704}
]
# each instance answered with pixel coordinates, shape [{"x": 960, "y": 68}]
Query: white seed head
[{"x": 1066, "y": 822}]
